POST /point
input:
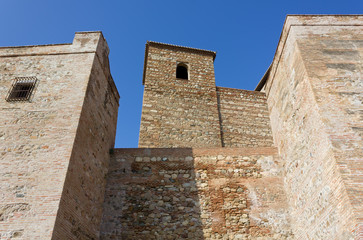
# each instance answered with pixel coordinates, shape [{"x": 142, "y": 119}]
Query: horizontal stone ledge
[{"x": 196, "y": 151}]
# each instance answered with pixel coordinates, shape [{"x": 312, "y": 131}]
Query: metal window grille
[{"x": 21, "y": 89}]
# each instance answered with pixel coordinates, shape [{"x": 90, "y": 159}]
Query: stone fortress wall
[
  {"x": 244, "y": 118},
  {"x": 179, "y": 112},
  {"x": 193, "y": 112},
  {"x": 54, "y": 149},
  {"x": 195, "y": 193},
  {"x": 314, "y": 94},
  {"x": 281, "y": 162},
  {"x": 310, "y": 96}
]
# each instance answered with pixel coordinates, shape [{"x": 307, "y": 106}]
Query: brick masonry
[
  {"x": 179, "y": 112},
  {"x": 244, "y": 118},
  {"x": 80, "y": 209},
  {"x": 213, "y": 162},
  {"x": 47, "y": 141},
  {"x": 185, "y": 193},
  {"x": 314, "y": 95},
  {"x": 194, "y": 113}
]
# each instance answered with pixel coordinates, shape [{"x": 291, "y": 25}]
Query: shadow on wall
[{"x": 152, "y": 194}]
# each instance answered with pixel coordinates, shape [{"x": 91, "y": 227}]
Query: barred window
[{"x": 22, "y": 89}]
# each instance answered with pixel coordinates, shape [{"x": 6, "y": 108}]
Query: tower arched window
[{"x": 182, "y": 71}]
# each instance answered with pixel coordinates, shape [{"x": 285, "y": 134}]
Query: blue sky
[{"x": 243, "y": 33}]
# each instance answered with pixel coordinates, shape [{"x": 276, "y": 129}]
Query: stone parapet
[{"x": 244, "y": 118}]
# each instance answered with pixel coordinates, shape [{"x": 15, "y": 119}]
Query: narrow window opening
[
  {"x": 182, "y": 71},
  {"x": 21, "y": 89}
]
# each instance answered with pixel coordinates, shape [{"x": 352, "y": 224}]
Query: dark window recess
[
  {"x": 22, "y": 89},
  {"x": 182, "y": 71}
]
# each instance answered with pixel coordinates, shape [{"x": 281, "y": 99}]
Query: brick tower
[
  {"x": 281, "y": 162},
  {"x": 57, "y": 125},
  {"x": 184, "y": 108},
  {"x": 180, "y": 100}
]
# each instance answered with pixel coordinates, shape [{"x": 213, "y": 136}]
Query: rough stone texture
[
  {"x": 314, "y": 94},
  {"x": 194, "y": 113},
  {"x": 195, "y": 193},
  {"x": 55, "y": 148},
  {"x": 179, "y": 112},
  {"x": 244, "y": 118},
  {"x": 39, "y": 138},
  {"x": 80, "y": 210}
]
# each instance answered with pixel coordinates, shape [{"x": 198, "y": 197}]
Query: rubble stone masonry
[
  {"x": 214, "y": 163},
  {"x": 193, "y": 112},
  {"x": 185, "y": 193},
  {"x": 179, "y": 112}
]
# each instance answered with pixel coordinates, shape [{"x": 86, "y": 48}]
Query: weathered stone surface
[
  {"x": 244, "y": 118},
  {"x": 195, "y": 194},
  {"x": 8, "y": 211},
  {"x": 54, "y": 148},
  {"x": 228, "y": 182},
  {"x": 179, "y": 112},
  {"x": 194, "y": 113},
  {"x": 314, "y": 95}
]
